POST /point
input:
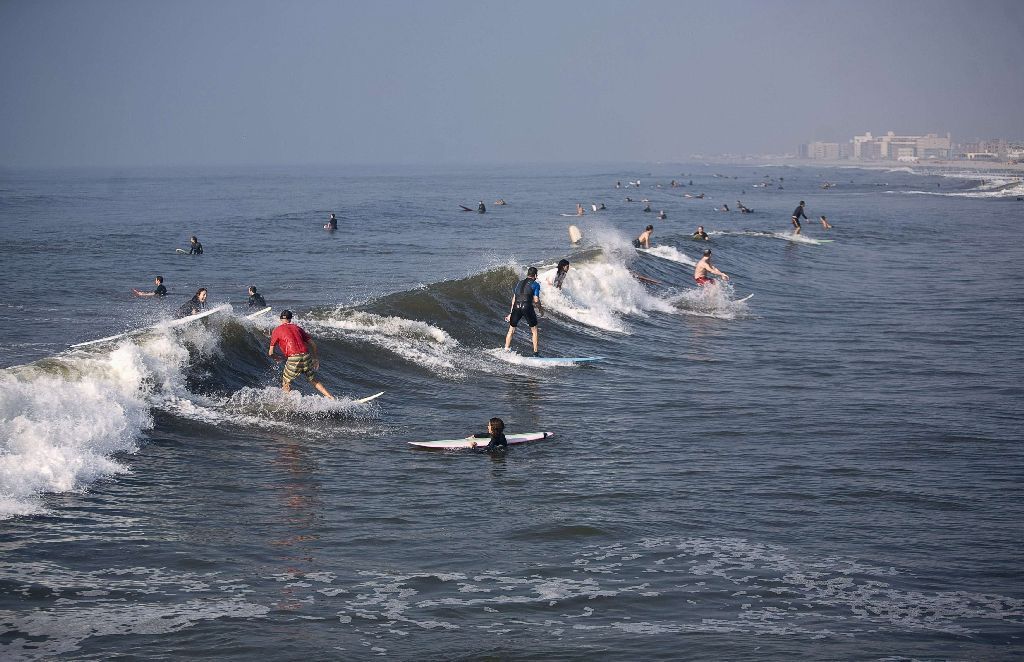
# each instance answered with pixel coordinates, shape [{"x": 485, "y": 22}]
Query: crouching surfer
[
  {"x": 496, "y": 436},
  {"x": 296, "y": 345},
  {"x": 704, "y": 267}
]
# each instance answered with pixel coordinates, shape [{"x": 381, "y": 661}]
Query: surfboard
[
  {"x": 743, "y": 299},
  {"x": 519, "y": 359},
  {"x": 181, "y": 251},
  {"x": 368, "y": 398},
  {"x": 471, "y": 442},
  {"x": 574, "y": 234},
  {"x": 465, "y": 208},
  {"x": 167, "y": 324},
  {"x": 258, "y": 313}
]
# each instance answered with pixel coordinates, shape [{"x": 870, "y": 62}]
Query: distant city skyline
[{"x": 110, "y": 82}]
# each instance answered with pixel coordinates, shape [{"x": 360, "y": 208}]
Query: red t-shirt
[{"x": 292, "y": 338}]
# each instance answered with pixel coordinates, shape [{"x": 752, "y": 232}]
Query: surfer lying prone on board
[{"x": 496, "y": 434}]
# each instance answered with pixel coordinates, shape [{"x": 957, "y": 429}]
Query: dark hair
[
  {"x": 707, "y": 253},
  {"x": 194, "y": 238},
  {"x": 159, "y": 279},
  {"x": 801, "y": 202},
  {"x": 531, "y": 272},
  {"x": 286, "y": 314},
  {"x": 563, "y": 265},
  {"x": 199, "y": 291},
  {"x": 498, "y": 431},
  {"x": 649, "y": 227},
  {"x": 252, "y": 289}
]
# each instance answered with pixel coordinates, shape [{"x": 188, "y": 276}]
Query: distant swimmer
[
  {"x": 560, "y": 272},
  {"x": 700, "y": 235},
  {"x": 296, "y": 345},
  {"x": 618, "y": 184},
  {"x": 480, "y": 209},
  {"x": 648, "y": 207},
  {"x": 160, "y": 290},
  {"x": 644, "y": 240},
  {"x": 797, "y": 214},
  {"x": 193, "y": 306},
  {"x": 704, "y": 267},
  {"x": 699, "y": 197},
  {"x": 195, "y": 248},
  {"x": 662, "y": 215},
  {"x": 579, "y": 209},
  {"x": 332, "y": 223},
  {"x": 525, "y": 304},
  {"x": 825, "y": 224},
  {"x": 495, "y": 435},
  {"x": 602, "y": 207},
  {"x": 744, "y": 210},
  {"x": 629, "y": 199},
  {"x": 256, "y": 299},
  {"x": 724, "y": 207},
  {"x": 500, "y": 202}
]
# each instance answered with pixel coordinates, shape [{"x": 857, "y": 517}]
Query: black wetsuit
[
  {"x": 522, "y": 306},
  {"x": 496, "y": 443},
  {"x": 160, "y": 290},
  {"x": 196, "y": 249},
  {"x": 797, "y": 213},
  {"x": 481, "y": 209},
  {"x": 191, "y": 307},
  {"x": 256, "y": 301}
]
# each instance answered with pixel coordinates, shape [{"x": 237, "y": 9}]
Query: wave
[{"x": 991, "y": 188}]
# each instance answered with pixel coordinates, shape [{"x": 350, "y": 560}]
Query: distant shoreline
[{"x": 981, "y": 166}]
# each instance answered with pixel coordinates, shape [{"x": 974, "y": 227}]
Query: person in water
[
  {"x": 496, "y": 436},
  {"x": 825, "y": 224},
  {"x": 797, "y": 214},
  {"x": 560, "y": 272},
  {"x": 500, "y": 202},
  {"x": 160, "y": 290},
  {"x": 480, "y": 209},
  {"x": 662, "y": 215},
  {"x": 195, "y": 248},
  {"x": 525, "y": 304},
  {"x": 700, "y": 235},
  {"x": 332, "y": 223},
  {"x": 579, "y": 209},
  {"x": 256, "y": 299},
  {"x": 644, "y": 240},
  {"x": 648, "y": 207},
  {"x": 296, "y": 345},
  {"x": 704, "y": 267},
  {"x": 745, "y": 210},
  {"x": 193, "y": 306}
]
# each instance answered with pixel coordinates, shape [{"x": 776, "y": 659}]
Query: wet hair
[
  {"x": 649, "y": 227},
  {"x": 252, "y": 289},
  {"x": 198, "y": 292},
  {"x": 531, "y": 272},
  {"x": 497, "y": 424},
  {"x": 160, "y": 279},
  {"x": 801, "y": 202},
  {"x": 563, "y": 265},
  {"x": 194, "y": 238},
  {"x": 707, "y": 253},
  {"x": 286, "y": 314}
]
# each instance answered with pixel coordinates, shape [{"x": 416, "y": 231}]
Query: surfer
[
  {"x": 480, "y": 209},
  {"x": 579, "y": 209},
  {"x": 495, "y": 434},
  {"x": 602, "y": 207},
  {"x": 158, "y": 292},
  {"x": 193, "y": 306},
  {"x": 560, "y": 271},
  {"x": 500, "y": 201},
  {"x": 648, "y": 207},
  {"x": 332, "y": 223},
  {"x": 525, "y": 296},
  {"x": 644, "y": 240},
  {"x": 700, "y": 235},
  {"x": 196, "y": 248},
  {"x": 797, "y": 214},
  {"x": 724, "y": 207},
  {"x": 704, "y": 267},
  {"x": 256, "y": 299},
  {"x": 744, "y": 210},
  {"x": 825, "y": 224},
  {"x": 296, "y": 345},
  {"x": 662, "y": 215}
]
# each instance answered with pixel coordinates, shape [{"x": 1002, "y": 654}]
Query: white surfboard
[
  {"x": 519, "y": 359},
  {"x": 181, "y": 251},
  {"x": 743, "y": 299},
  {"x": 574, "y": 234},
  {"x": 368, "y": 398},
  {"x": 167, "y": 324},
  {"x": 258, "y": 313},
  {"x": 472, "y": 442}
]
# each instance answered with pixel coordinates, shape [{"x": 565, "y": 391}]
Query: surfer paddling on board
[
  {"x": 193, "y": 306},
  {"x": 560, "y": 272},
  {"x": 296, "y": 345},
  {"x": 797, "y": 214},
  {"x": 195, "y": 248},
  {"x": 256, "y": 299},
  {"x": 496, "y": 436},
  {"x": 644, "y": 240},
  {"x": 704, "y": 267},
  {"x": 160, "y": 290},
  {"x": 525, "y": 297}
]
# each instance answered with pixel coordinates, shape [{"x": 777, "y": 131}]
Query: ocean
[{"x": 830, "y": 468}]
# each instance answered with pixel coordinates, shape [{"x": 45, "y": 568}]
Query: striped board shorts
[{"x": 299, "y": 364}]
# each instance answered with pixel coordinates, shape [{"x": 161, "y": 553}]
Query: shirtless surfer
[
  {"x": 704, "y": 267},
  {"x": 644, "y": 240}
]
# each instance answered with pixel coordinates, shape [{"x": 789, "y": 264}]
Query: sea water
[{"x": 830, "y": 468}]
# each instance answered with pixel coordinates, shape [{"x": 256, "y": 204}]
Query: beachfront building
[{"x": 892, "y": 147}]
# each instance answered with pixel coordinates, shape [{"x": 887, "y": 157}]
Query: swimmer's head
[
  {"x": 286, "y": 315},
  {"x": 531, "y": 272}
]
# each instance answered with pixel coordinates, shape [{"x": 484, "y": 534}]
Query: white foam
[{"x": 669, "y": 253}]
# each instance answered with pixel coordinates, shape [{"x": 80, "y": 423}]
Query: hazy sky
[{"x": 134, "y": 82}]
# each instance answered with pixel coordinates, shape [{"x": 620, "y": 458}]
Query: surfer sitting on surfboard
[
  {"x": 332, "y": 223},
  {"x": 193, "y": 306},
  {"x": 158, "y": 292},
  {"x": 496, "y": 434},
  {"x": 196, "y": 248},
  {"x": 525, "y": 295},
  {"x": 295, "y": 345},
  {"x": 644, "y": 240},
  {"x": 256, "y": 299},
  {"x": 700, "y": 273}
]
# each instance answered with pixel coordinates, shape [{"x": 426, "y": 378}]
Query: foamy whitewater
[{"x": 818, "y": 458}]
